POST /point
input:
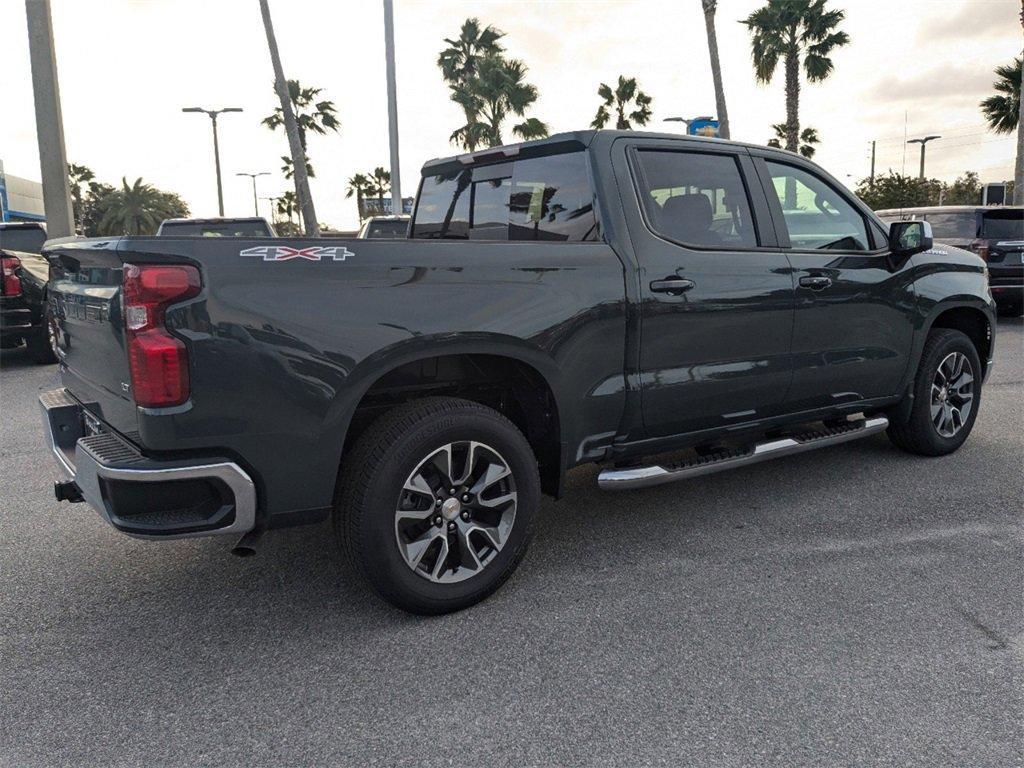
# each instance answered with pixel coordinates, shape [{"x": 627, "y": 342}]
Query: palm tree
[
  {"x": 77, "y": 176},
  {"x": 459, "y": 62},
  {"x": 808, "y": 138},
  {"x": 287, "y": 205},
  {"x": 296, "y": 147},
  {"x": 358, "y": 186},
  {"x": 1002, "y": 111},
  {"x": 710, "y": 6},
  {"x": 311, "y": 116},
  {"x": 138, "y": 209},
  {"x": 625, "y": 95},
  {"x": 791, "y": 30},
  {"x": 379, "y": 185},
  {"x": 497, "y": 91},
  {"x": 289, "y": 171}
]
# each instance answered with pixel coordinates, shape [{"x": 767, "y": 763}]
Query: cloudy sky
[{"x": 126, "y": 68}]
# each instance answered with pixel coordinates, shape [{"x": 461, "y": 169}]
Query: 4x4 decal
[{"x": 287, "y": 252}]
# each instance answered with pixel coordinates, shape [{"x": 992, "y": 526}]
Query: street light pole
[
  {"x": 255, "y": 205},
  {"x": 389, "y": 53},
  {"x": 922, "y": 142},
  {"x": 216, "y": 146}
]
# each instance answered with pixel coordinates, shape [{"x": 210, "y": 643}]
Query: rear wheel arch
[{"x": 510, "y": 385}]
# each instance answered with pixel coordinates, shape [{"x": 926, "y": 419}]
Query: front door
[
  {"x": 852, "y": 331},
  {"x": 716, "y": 298}
]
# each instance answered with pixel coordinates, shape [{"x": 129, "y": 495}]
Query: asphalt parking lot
[{"x": 852, "y": 606}]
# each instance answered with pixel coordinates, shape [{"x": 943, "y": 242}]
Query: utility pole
[
  {"x": 389, "y": 54},
  {"x": 922, "y": 142},
  {"x": 255, "y": 205},
  {"x": 216, "y": 146},
  {"x": 871, "y": 183},
  {"x": 53, "y": 160},
  {"x": 291, "y": 127}
]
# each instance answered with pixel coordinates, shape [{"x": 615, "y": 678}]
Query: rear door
[
  {"x": 716, "y": 295},
  {"x": 85, "y": 293},
  {"x": 852, "y": 329},
  {"x": 1002, "y": 231}
]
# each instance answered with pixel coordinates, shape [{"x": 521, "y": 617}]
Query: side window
[
  {"x": 816, "y": 215},
  {"x": 552, "y": 199},
  {"x": 696, "y": 198},
  {"x": 442, "y": 210}
]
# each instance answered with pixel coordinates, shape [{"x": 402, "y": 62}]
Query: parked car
[
  {"x": 595, "y": 297},
  {"x": 24, "y": 315},
  {"x": 995, "y": 233},
  {"x": 384, "y": 227},
  {"x": 253, "y": 226}
]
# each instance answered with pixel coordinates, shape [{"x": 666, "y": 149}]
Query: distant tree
[
  {"x": 790, "y": 30},
  {"x": 895, "y": 190},
  {"x": 379, "y": 185},
  {"x": 1002, "y": 111},
  {"x": 287, "y": 205},
  {"x": 93, "y": 208},
  {"x": 78, "y": 176},
  {"x": 808, "y": 138},
  {"x": 138, "y": 209},
  {"x": 459, "y": 63},
  {"x": 289, "y": 171},
  {"x": 626, "y": 95},
  {"x": 311, "y": 115},
  {"x": 358, "y": 185},
  {"x": 710, "y": 6},
  {"x": 966, "y": 190}
]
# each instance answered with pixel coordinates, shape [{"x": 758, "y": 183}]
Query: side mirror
[{"x": 909, "y": 237}]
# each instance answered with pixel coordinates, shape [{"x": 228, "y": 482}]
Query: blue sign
[{"x": 703, "y": 126}]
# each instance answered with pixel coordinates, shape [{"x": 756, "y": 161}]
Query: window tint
[
  {"x": 215, "y": 229},
  {"x": 697, "y": 199},
  {"x": 961, "y": 225},
  {"x": 816, "y": 215},
  {"x": 552, "y": 199},
  {"x": 1003, "y": 225},
  {"x": 490, "y": 209},
  {"x": 442, "y": 210},
  {"x": 387, "y": 228},
  {"x": 24, "y": 239}
]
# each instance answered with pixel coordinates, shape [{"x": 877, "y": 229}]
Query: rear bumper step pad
[{"x": 641, "y": 477}]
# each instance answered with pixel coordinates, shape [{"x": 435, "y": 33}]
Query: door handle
[
  {"x": 816, "y": 282},
  {"x": 673, "y": 286}
]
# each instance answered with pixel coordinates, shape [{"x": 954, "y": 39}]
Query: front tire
[
  {"x": 947, "y": 395},
  {"x": 436, "y": 504}
]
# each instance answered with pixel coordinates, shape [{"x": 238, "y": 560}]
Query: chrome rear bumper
[{"x": 141, "y": 496}]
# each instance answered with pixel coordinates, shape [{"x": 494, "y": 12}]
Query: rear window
[
  {"x": 25, "y": 239},
  {"x": 387, "y": 228},
  {"x": 1003, "y": 225},
  {"x": 959, "y": 225},
  {"x": 218, "y": 229},
  {"x": 543, "y": 198}
]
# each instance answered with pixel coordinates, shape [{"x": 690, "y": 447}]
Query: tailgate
[{"x": 85, "y": 293}]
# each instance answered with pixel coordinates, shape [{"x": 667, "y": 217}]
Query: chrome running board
[{"x": 642, "y": 477}]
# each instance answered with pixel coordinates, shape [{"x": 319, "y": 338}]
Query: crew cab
[
  {"x": 24, "y": 316},
  {"x": 663, "y": 306}
]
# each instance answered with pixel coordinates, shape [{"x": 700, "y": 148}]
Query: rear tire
[
  {"x": 42, "y": 342},
  {"x": 394, "y": 489},
  {"x": 947, "y": 395}
]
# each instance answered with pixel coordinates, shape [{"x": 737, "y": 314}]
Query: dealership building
[{"x": 20, "y": 199}]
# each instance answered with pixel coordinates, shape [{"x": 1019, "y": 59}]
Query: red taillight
[
  {"x": 10, "y": 283},
  {"x": 980, "y": 247},
  {"x": 158, "y": 360}
]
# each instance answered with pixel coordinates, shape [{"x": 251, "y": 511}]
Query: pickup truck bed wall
[{"x": 283, "y": 345}]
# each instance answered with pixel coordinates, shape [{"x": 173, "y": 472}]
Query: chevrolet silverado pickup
[
  {"x": 24, "y": 310},
  {"x": 664, "y": 306}
]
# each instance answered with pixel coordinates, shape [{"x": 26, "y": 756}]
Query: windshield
[
  {"x": 216, "y": 229},
  {"x": 25, "y": 239},
  {"x": 1003, "y": 225}
]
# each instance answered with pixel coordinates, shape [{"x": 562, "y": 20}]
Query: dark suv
[
  {"x": 995, "y": 233},
  {"x": 24, "y": 314}
]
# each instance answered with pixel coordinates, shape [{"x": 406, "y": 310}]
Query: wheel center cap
[{"x": 451, "y": 508}]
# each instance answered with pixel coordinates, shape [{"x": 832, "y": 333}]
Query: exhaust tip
[{"x": 246, "y": 546}]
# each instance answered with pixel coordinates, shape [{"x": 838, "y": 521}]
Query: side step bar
[{"x": 642, "y": 477}]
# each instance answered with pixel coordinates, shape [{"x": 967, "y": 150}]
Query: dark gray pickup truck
[{"x": 665, "y": 306}]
